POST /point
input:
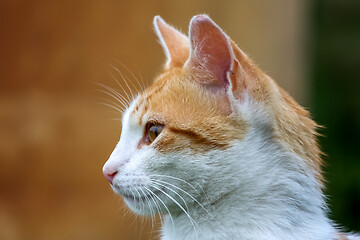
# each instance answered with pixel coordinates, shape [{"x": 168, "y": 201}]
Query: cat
[{"x": 218, "y": 148}]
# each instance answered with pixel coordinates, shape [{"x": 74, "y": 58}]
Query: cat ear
[
  {"x": 174, "y": 43},
  {"x": 210, "y": 52}
]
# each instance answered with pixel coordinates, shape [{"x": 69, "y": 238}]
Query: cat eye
[{"x": 153, "y": 131}]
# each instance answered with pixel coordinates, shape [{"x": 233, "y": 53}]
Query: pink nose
[{"x": 109, "y": 174}]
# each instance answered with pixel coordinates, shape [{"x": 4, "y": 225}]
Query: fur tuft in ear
[
  {"x": 210, "y": 51},
  {"x": 175, "y": 44}
]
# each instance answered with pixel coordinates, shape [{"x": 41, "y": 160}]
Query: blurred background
[{"x": 55, "y": 137}]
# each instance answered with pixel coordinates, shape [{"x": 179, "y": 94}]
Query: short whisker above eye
[
  {"x": 113, "y": 107},
  {"x": 115, "y": 94},
  {"x": 126, "y": 80},
  {"x": 142, "y": 87},
  {"x": 105, "y": 100},
  {"x": 128, "y": 98}
]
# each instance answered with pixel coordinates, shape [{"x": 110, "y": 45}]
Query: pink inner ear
[{"x": 210, "y": 50}]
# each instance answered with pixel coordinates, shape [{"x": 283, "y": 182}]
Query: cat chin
[
  {"x": 137, "y": 206},
  {"x": 140, "y": 206},
  {"x": 150, "y": 206}
]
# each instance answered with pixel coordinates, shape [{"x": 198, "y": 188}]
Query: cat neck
[{"x": 278, "y": 199}]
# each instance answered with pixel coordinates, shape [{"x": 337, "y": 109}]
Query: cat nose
[{"x": 109, "y": 174}]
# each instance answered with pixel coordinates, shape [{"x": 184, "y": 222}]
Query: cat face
[
  {"x": 207, "y": 114},
  {"x": 174, "y": 127}
]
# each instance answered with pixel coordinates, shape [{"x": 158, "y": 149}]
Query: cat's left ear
[
  {"x": 211, "y": 53},
  {"x": 175, "y": 44}
]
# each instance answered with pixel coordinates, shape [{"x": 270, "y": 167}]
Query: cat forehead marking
[{"x": 143, "y": 102}]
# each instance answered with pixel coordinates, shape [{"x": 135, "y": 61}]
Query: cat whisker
[
  {"x": 112, "y": 103},
  {"x": 202, "y": 189},
  {"x": 143, "y": 209},
  {"x": 167, "y": 209},
  {"x": 108, "y": 101},
  {"x": 186, "y": 194},
  {"x": 122, "y": 88},
  {"x": 143, "y": 220},
  {"x": 124, "y": 77},
  {"x": 152, "y": 212},
  {"x": 113, "y": 93},
  {"x": 135, "y": 221},
  {"x": 156, "y": 206},
  {"x": 126, "y": 80},
  {"x": 115, "y": 119},
  {"x": 172, "y": 190},
  {"x": 111, "y": 106},
  {"x": 135, "y": 78},
  {"x": 194, "y": 224},
  {"x": 118, "y": 97},
  {"x": 179, "y": 179},
  {"x": 142, "y": 81}
]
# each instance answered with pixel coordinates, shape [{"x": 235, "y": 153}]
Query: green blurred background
[
  {"x": 55, "y": 137},
  {"x": 335, "y": 101}
]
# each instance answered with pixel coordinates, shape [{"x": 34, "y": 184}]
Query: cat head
[{"x": 208, "y": 124}]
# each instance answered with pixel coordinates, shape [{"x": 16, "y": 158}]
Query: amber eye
[{"x": 154, "y": 131}]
